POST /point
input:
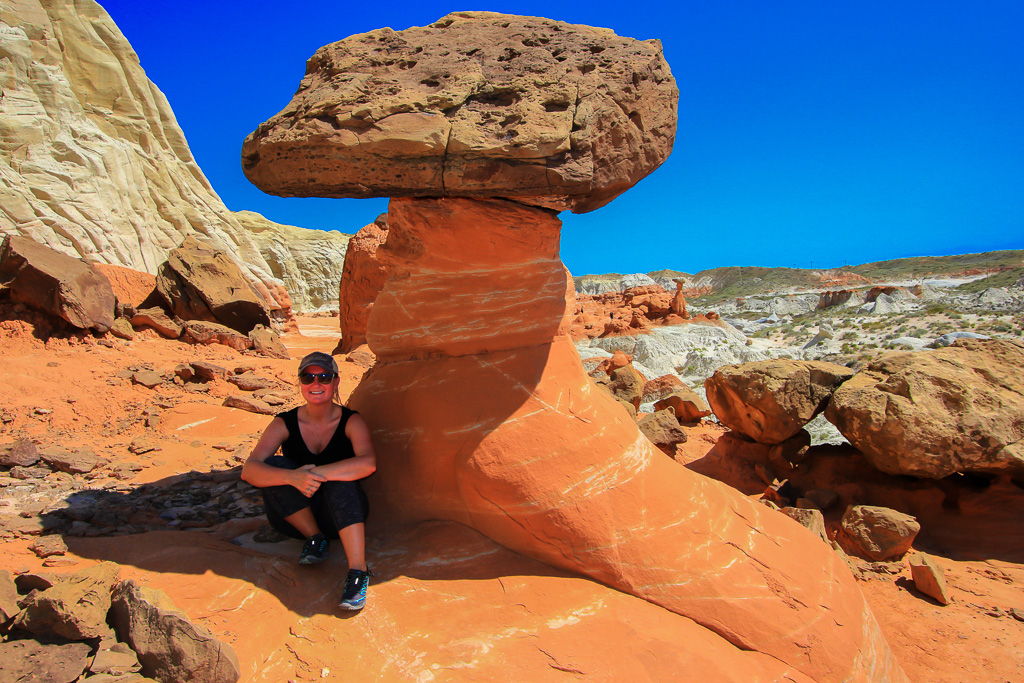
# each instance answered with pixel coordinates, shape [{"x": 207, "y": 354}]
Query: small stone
[
  {"x": 929, "y": 578},
  {"x": 253, "y": 405},
  {"x": 47, "y": 546},
  {"x": 877, "y": 533},
  {"x": 43, "y": 411},
  {"x": 143, "y": 444},
  {"x": 812, "y": 519},
  {"x": 148, "y": 378}
]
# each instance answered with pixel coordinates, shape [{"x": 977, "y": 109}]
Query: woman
[{"x": 312, "y": 491}]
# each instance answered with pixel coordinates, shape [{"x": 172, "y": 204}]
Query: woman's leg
[
  {"x": 353, "y": 539},
  {"x": 288, "y": 511}
]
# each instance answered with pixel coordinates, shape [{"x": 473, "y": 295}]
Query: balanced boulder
[
  {"x": 199, "y": 282},
  {"x": 477, "y": 104},
  {"x": 772, "y": 400},
  {"x": 56, "y": 283},
  {"x": 937, "y": 412}
]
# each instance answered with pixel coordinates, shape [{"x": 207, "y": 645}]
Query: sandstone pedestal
[{"x": 489, "y": 420}]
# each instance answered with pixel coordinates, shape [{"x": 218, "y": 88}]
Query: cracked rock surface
[{"x": 478, "y": 104}]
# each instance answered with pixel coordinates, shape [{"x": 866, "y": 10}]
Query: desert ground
[{"x": 446, "y": 603}]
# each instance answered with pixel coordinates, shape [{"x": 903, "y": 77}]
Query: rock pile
[
  {"x": 631, "y": 311},
  {"x": 478, "y": 395},
  {"x": 92, "y": 626}
]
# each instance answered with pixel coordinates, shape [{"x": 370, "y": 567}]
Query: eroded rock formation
[
  {"x": 362, "y": 279},
  {"x": 92, "y": 161},
  {"x": 934, "y": 413},
  {"x": 477, "y": 104},
  {"x": 478, "y": 395}
]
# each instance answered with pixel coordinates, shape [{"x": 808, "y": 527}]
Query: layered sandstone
[
  {"x": 92, "y": 161},
  {"x": 478, "y": 396},
  {"x": 489, "y": 420},
  {"x": 308, "y": 262},
  {"x": 362, "y": 279},
  {"x": 477, "y": 104}
]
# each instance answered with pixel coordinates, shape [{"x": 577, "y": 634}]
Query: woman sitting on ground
[{"x": 312, "y": 491}]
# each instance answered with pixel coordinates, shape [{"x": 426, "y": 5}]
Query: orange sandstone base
[{"x": 483, "y": 415}]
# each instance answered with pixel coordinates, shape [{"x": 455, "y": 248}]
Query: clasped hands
[{"x": 307, "y": 480}]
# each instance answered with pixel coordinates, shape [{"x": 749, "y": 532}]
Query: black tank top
[{"x": 294, "y": 448}]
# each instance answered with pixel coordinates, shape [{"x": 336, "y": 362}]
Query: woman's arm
[
  {"x": 365, "y": 461},
  {"x": 259, "y": 474}
]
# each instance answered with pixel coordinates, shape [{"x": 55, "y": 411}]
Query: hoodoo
[{"x": 478, "y": 126}]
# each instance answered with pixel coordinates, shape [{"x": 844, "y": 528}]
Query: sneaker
[
  {"x": 355, "y": 589},
  {"x": 315, "y": 550}
]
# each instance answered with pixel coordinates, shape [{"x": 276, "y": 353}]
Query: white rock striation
[
  {"x": 309, "y": 262},
  {"x": 92, "y": 161}
]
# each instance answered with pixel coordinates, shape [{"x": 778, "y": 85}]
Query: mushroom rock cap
[{"x": 478, "y": 104}]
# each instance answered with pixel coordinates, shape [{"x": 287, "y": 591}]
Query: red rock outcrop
[
  {"x": 477, "y": 104},
  {"x": 489, "y": 420},
  {"x": 362, "y": 278}
]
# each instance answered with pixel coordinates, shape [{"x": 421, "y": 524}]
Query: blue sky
[{"x": 812, "y": 133}]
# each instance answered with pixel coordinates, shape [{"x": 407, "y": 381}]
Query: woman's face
[{"x": 318, "y": 392}]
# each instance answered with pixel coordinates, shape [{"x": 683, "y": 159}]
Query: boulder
[
  {"x": 158, "y": 319},
  {"x": 23, "y": 453},
  {"x": 148, "y": 378},
  {"x": 627, "y": 384},
  {"x": 249, "y": 404},
  {"x": 28, "y": 661},
  {"x": 170, "y": 647},
  {"x": 929, "y": 578},
  {"x": 936, "y": 412},
  {"x": 122, "y": 329},
  {"x": 812, "y": 519},
  {"x": 267, "y": 342},
  {"x": 477, "y": 104},
  {"x": 660, "y": 387},
  {"x": 202, "y": 332},
  {"x": 75, "y": 608},
  {"x": 8, "y": 597},
  {"x": 877, "y": 533},
  {"x": 200, "y": 282},
  {"x": 361, "y": 281},
  {"x": 662, "y": 429},
  {"x": 72, "y": 462},
  {"x": 772, "y": 400},
  {"x": 687, "y": 405},
  {"x": 56, "y": 284},
  {"x": 204, "y": 371}
]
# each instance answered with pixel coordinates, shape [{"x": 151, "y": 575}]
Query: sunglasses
[{"x": 322, "y": 377}]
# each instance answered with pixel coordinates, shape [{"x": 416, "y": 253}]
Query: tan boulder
[
  {"x": 687, "y": 405},
  {"x": 8, "y": 597},
  {"x": 660, "y": 387},
  {"x": 362, "y": 279},
  {"x": 627, "y": 384},
  {"x": 158, "y": 319},
  {"x": 877, "y": 533},
  {"x": 170, "y": 647},
  {"x": 130, "y": 286},
  {"x": 477, "y": 104},
  {"x": 933, "y": 413},
  {"x": 662, "y": 429},
  {"x": 28, "y": 661},
  {"x": 267, "y": 342},
  {"x": 929, "y": 578},
  {"x": 56, "y": 283},
  {"x": 491, "y": 406},
  {"x": 202, "y": 332},
  {"x": 772, "y": 400},
  {"x": 199, "y": 282},
  {"x": 75, "y": 608}
]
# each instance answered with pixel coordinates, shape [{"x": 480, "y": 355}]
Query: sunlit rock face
[
  {"x": 92, "y": 161},
  {"x": 480, "y": 403},
  {"x": 477, "y": 104}
]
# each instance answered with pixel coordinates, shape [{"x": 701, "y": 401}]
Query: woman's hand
[{"x": 306, "y": 480}]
